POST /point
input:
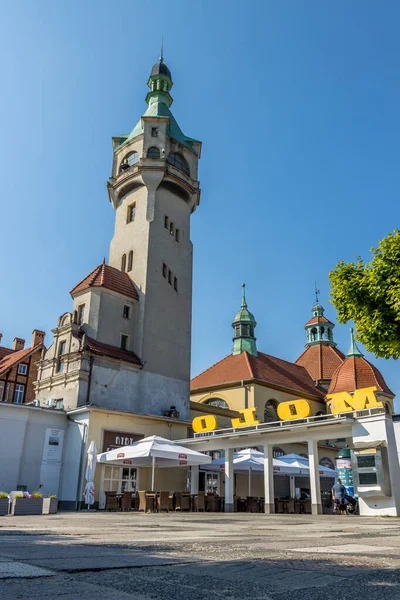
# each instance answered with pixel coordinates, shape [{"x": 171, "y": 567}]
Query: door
[
  {"x": 117, "y": 479},
  {"x": 212, "y": 483}
]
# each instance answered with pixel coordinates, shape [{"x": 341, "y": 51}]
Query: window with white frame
[
  {"x": 126, "y": 311},
  {"x": 22, "y": 369},
  {"x": 19, "y": 393},
  {"x": 212, "y": 483}
]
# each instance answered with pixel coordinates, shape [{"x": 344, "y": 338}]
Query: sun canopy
[
  {"x": 252, "y": 460},
  {"x": 156, "y": 451}
]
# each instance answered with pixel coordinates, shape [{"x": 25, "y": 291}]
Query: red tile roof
[
  {"x": 112, "y": 351},
  {"x": 14, "y": 358},
  {"x": 109, "y": 278},
  {"x": 321, "y": 361},
  {"x": 318, "y": 320},
  {"x": 356, "y": 373},
  {"x": 264, "y": 367}
]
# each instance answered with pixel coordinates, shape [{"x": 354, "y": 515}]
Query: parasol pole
[
  {"x": 153, "y": 464},
  {"x": 250, "y": 481}
]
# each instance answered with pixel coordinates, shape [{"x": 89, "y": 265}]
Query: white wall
[
  {"x": 22, "y": 439},
  {"x": 380, "y": 428}
]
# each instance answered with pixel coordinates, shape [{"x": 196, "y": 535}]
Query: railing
[{"x": 293, "y": 423}]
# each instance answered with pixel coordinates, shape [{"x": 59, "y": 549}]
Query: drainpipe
[
  {"x": 89, "y": 380},
  {"x": 246, "y": 399}
]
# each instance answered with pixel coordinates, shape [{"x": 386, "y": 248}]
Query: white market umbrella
[
  {"x": 89, "y": 474},
  {"x": 296, "y": 460},
  {"x": 252, "y": 461},
  {"x": 154, "y": 451}
]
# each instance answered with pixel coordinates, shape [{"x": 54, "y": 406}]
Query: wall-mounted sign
[
  {"x": 118, "y": 439},
  {"x": 296, "y": 409},
  {"x": 53, "y": 446}
]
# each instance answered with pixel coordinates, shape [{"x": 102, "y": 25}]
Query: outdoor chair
[
  {"x": 182, "y": 501},
  {"x": 112, "y": 501},
  {"x": 211, "y": 503},
  {"x": 306, "y": 507},
  {"x": 290, "y": 506},
  {"x": 135, "y": 502},
  {"x": 199, "y": 502},
  {"x": 171, "y": 499},
  {"x": 146, "y": 502},
  {"x": 126, "y": 501},
  {"x": 163, "y": 501},
  {"x": 253, "y": 504}
]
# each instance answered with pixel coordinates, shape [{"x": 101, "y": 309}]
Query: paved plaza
[{"x": 178, "y": 556}]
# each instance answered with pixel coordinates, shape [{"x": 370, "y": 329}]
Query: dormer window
[
  {"x": 153, "y": 152},
  {"x": 179, "y": 162}
]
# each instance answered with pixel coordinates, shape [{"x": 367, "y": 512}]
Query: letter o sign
[
  {"x": 205, "y": 423},
  {"x": 294, "y": 409}
]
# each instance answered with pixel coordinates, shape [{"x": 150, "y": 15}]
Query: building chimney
[
  {"x": 37, "y": 337},
  {"x": 18, "y": 344}
]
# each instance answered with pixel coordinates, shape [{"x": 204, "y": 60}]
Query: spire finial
[
  {"x": 162, "y": 49},
  {"x": 244, "y": 303},
  {"x": 316, "y": 292},
  {"x": 104, "y": 260},
  {"x": 354, "y": 350}
]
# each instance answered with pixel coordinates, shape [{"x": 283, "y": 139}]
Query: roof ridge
[
  {"x": 282, "y": 359},
  {"x": 246, "y": 354}
]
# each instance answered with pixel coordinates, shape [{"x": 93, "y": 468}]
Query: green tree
[{"x": 369, "y": 295}]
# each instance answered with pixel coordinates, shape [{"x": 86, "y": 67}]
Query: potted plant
[
  {"x": 50, "y": 504},
  {"x": 29, "y": 504},
  {"x": 4, "y": 503}
]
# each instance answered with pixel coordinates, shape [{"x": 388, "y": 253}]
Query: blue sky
[{"x": 297, "y": 107}]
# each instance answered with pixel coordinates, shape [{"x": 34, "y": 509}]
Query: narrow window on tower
[
  {"x": 175, "y": 284},
  {"x": 61, "y": 351},
  {"x": 169, "y": 277},
  {"x": 124, "y": 341},
  {"x": 126, "y": 311},
  {"x": 130, "y": 216},
  {"x": 123, "y": 263},
  {"x": 177, "y": 235},
  {"x": 154, "y": 132},
  {"x": 81, "y": 314},
  {"x": 166, "y": 222},
  {"x": 164, "y": 270},
  {"x": 171, "y": 228},
  {"x": 130, "y": 260}
]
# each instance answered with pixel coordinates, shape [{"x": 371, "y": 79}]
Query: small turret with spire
[
  {"x": 243, "y": 325},
  {"x": 319, "y": 329}
]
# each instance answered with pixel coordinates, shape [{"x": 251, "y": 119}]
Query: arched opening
[
  {"x": 129, "y": 160},
  {"x": 179, "y": 162},
  {"x": 130, "y": 260},
  {"x": 271, "y": 411},
  {"x": 314, "y": 334},
  {"x": 153, "y": 152},
  {"x": 123, "y": 263},
  {"x": 218, "y": 402}
]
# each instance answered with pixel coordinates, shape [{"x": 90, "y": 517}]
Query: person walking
[{"x": 338, "y": 494}]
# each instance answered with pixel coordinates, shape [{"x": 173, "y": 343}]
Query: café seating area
[{"x": 166, "y": 501}]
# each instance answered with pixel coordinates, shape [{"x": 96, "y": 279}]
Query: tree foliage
[{"x": 369, "y": 295}]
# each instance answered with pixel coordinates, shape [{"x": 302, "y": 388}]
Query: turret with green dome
[{"x": 243, "y": 325}]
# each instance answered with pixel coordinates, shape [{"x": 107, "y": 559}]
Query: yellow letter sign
[
  {"x": 206, "y": 423},
  {"x": 294, "y": 409},
  {"x": 249, "y": 418},
  {"x": 361, "y": 399}
]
